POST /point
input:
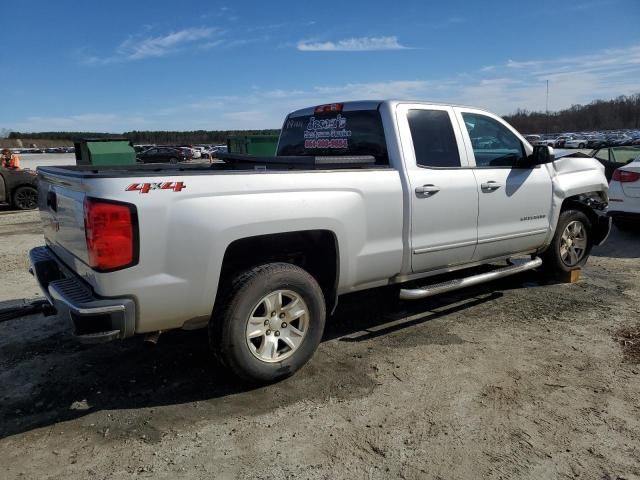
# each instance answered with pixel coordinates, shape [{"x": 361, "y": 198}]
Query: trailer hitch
[{"x": 16, "y": 311}]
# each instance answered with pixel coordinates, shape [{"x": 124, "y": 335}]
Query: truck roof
[{"x": 371, "y": 105}]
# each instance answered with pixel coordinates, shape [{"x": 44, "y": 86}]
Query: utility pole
[{"x": 547, "y": 107}]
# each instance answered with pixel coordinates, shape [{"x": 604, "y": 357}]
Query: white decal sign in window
[{"x": 327, "y": 133}]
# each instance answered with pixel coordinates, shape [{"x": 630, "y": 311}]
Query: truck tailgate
[{"x": 61, "y": 204}]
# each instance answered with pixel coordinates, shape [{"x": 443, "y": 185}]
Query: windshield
[{"x": 357, "y": 132}]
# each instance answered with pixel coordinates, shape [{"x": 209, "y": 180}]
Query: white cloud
[
  {"x": 361, "y": 44},
  {"x": 502, "y": 88},
  {"x": 137, "y": 47}
]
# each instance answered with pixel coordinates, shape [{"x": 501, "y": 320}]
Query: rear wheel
[
  {"x": 25, "y": 198},
  {"x": 268, "y": 323},
  {"x": 571, "y": 244},
  {"x": 173, "y": 160}
]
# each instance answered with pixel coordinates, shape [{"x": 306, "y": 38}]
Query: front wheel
[
  {"x": 571, "y": 244},
  {"x": 25, "y": 198},
  {"x": 581, "y": 145},
  {"x": 268, "y": 322}
]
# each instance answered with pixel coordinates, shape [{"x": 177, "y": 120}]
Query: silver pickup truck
[{"x": 361, "y": 195}]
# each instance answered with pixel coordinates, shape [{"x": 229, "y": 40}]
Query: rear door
[
  {"x": 442, "y": 187},
  {"x": 514, "y": 202}
]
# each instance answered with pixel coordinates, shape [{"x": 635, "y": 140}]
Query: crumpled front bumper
[{"x": 96, "y": 319}]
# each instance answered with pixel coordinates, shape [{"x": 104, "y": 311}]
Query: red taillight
[
  {"x": 625, "y": 176},
  {"x": 330, "y": 107},
  {"x": 110, "y": 233}
]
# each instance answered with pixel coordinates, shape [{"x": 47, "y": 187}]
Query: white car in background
[
  {"x": 624, "y": 196},
  {"x": 576, "y": 142}
]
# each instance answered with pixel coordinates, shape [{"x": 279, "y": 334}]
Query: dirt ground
[{"x": 519, "y": 379}]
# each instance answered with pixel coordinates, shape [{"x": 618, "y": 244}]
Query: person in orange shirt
[{"x": 9, "y": 160}]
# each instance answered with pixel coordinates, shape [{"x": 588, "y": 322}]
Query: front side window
[
  {"x": 433, "y": 138},
  {"x": 494, "y": 145}
]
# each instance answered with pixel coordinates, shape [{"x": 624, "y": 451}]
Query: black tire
[
  {"x": 553, "y": 260},
  {"x": 173, "y": 160},
  {"x": 25, "y": 198},
  {"x": 237, "y": 302},
  {"x": 581, "y": 145}
]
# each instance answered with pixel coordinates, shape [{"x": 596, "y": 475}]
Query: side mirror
[{"x": 542, "y": 154}]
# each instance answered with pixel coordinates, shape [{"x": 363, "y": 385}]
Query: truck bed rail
[{"x": 301, "y": 161}]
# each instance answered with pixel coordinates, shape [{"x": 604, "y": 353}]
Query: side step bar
[{"x": 438, "y": 288}]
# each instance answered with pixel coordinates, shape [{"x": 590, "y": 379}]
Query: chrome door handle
[
  {"x": 491, "y": 186},
  {"x": 427, "y": 189}
]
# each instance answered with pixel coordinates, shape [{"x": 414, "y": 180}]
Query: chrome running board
[{"x": 438, "y": 288}]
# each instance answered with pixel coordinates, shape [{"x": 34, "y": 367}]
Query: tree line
[
  {"x": 622, "y": 112},
  {"x": 619, "y": 113},
  {"x": 161, "y": 137}
]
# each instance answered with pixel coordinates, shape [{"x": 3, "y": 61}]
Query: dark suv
[
  {"x": 163, "y": 155},
  {"x": 19, "y": 188}
]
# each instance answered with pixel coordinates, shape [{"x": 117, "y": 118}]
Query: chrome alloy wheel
[
  {"x": 277, "y": 326},
  {"x": 573, "y": 243}
]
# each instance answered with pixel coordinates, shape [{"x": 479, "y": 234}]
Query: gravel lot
[{"x": 517, "y": 379}]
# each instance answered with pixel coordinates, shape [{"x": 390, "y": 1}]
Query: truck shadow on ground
[
  {"x": 620, "y": 244},
  {"x": 47, "y": 378}
]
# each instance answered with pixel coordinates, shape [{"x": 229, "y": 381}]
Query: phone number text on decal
[{"x": 327, "y": 143}]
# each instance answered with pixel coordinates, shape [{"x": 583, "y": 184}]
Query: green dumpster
[
  {"x": 104, "y": 151},
  {"x": 264, "y": 145}
]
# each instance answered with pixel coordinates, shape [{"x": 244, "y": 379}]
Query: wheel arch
[
  {"x": 316, "y": 251},
  {"x": 593, "y": 205}
]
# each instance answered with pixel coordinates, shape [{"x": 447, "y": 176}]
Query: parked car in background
[
  {"x": 576, "y": 142},
  {"x": 18, "y": 188},
  {"x": 618, "y": 140},
  {"x": 560, "y": 141},
  {"x": 624, "y": 196},
  {"x": 195, "y": 152},
  {"x": 596, "y": 141},
  {"x": 547, "y": 140},
  {"x": 164, "y": 155},
  {"x": 533, "y": 139},
  {"x": 615, "y": 157}
]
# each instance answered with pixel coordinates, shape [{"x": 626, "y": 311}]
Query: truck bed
[{"x": 231, "y": 163}]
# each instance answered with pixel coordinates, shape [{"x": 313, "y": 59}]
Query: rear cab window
[{"x": 344, "y": 133}]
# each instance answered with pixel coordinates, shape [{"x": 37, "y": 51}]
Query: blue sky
[{"x": 117, "y": 66}]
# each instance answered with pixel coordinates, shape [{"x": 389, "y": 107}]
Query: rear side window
[
  {"x": 356, "y": 132},
  {"x": 433, "y": 139}
]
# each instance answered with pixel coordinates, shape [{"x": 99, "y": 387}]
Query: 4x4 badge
[{"x": 147, "y": 187}]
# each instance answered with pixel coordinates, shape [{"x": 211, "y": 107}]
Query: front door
[
  {"x": 442, "y": 188},
  {"x": 514, "y": 201}
]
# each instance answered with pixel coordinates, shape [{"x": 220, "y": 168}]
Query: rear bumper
[{"x": 95, "y": 319}]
